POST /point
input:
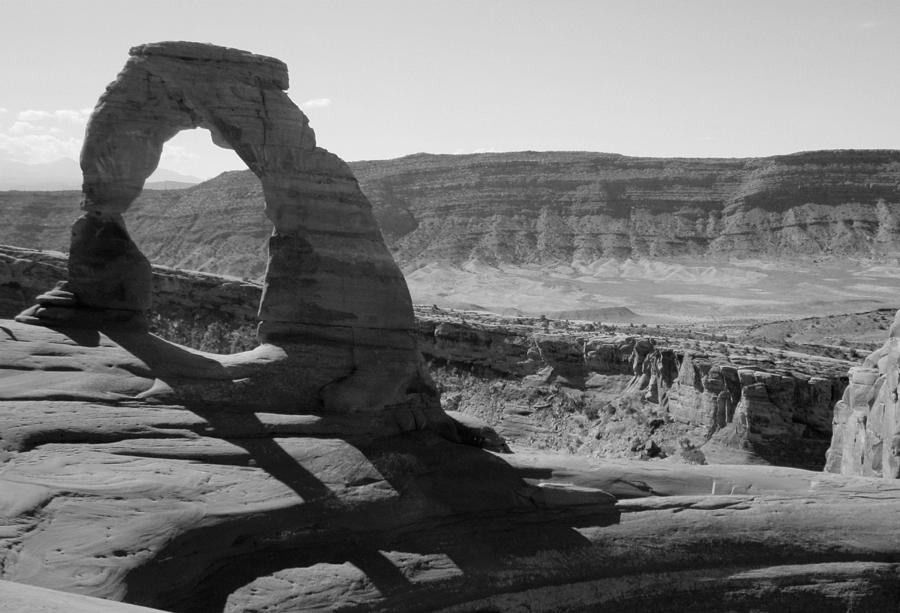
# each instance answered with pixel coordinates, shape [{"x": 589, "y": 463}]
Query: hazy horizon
[{"x": 167, "y": 174}]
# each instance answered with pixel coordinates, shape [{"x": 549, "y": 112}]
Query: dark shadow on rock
[
  {"x": 86, "y": 337},
  {"x": 449, "y": 499},
  {"x": 269, "y": 456},
  {"x": 168, "y": 362},
  {"x": 436, "y": 497}
]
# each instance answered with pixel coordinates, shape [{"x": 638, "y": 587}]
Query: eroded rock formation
[
  {"x": 335, "y": 306},
  {"x": 866, "y": 430},
  {"x": 597, "y": 393}
]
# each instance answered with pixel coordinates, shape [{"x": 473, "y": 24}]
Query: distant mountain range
[
  {"x": 65, "y": 174},
  {"x": 531, "y": 208},
  {"x": 544, "y": 231}
]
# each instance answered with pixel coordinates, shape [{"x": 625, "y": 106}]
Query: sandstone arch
[{"x": 336, "y": 317}]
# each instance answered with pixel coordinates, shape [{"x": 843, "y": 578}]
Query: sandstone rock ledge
[{"x": 191, "y": 509}]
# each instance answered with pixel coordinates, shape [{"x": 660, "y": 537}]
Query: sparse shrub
[
  {"x": 392, "y": 465},
  {"x": 201, "y": 333},
  {"x": 689, "y": 453}
]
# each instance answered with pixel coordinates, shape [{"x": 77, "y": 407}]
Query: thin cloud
[
  {"x": 37, "y": 136},
  {"x": 316, "y": 103},
  {"x": 32, "y": 116},
  {"x": 175, "y": 155},
  {"x": 24, "y": 127},
  {"x": 79, "y": 116},
  {"x": 76, "y": 116},
  {"x": 3, "y": 110},
  {"x": 475, "y": 150},
  {"x": 38, "y": 148}
]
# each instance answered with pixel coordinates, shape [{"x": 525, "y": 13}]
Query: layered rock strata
[
  {"x": 535, "y": 208},
  {"x": 597, "y": 393},
  {"x": 866, "y": 430},
  {"x": 335, "y": 307},
  {"x": 541, "y": 207}
]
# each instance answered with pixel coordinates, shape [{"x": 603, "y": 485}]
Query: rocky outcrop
[
  {"x": 596, "y": 393},
  {"x": 203, "y": 311},
  {"x": 779, "y": 412},
  {"x": 334, "y": 305},
  {"x": 240, "y": 511},
  {"x": 866, "y": 431},
  {"x": 538, "y": 208}
]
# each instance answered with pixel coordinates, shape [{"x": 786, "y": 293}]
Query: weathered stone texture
[
  {"x": 334, "y": 301},
  {"x": 556, "y": 390},
  {"x": 866, "y": 427}
]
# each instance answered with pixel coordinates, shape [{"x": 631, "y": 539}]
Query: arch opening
[
  {"x": 192, "y": 157},
  {"x": 220, "y": 222},
  {"x": 219, "y": 228}
]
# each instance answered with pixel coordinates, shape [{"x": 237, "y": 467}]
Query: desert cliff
[{"x": 532, "y": 207}]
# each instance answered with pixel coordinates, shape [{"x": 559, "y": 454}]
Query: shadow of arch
[{"x": 480, "y": 525}]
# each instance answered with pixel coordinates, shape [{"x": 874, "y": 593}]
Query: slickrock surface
[
  {"x": 21, "y": 598},
  {"x": 239, "y": 510},
  {"x": 866, "y": 435},
  {"x": 234, "y": 509},
  {"x": 334, "y": 305},
  {"x": 231, "y": 509}
]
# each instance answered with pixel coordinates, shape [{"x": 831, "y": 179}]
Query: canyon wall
[
  {"x": 617, "y": 392},
  {"x": 531, "y": 207},
  {"x": 866, "y": 432},
  {"x": 601, "y": 392}
]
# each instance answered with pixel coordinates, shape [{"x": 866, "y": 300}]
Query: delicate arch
[
  {"x": 336, "y": 318},
  {"x": 327, "y": 262}
]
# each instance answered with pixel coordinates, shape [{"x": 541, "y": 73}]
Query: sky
[{"x": 387, "y": 78}]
